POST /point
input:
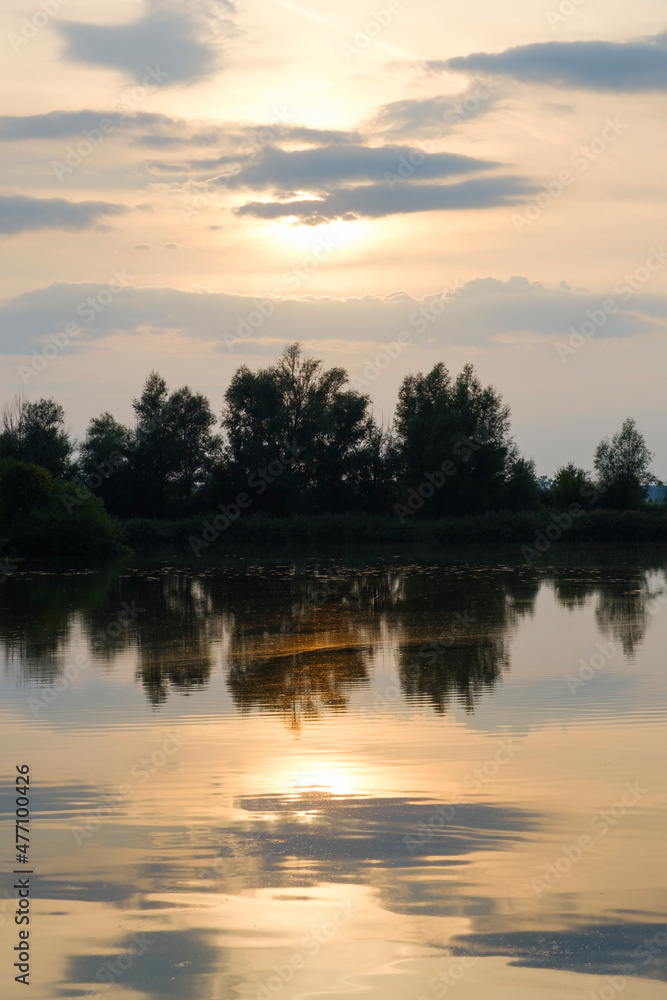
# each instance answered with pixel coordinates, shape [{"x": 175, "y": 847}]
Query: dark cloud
[
  {"x": 634, "y": 66},
  {"x": 19, "y": 213},
  {"x": 327, "y": 167},
  {"x": 65, "y": 124},
  {"x": 145, "y": 128},
  {"x": 374, "y": 201},
  {"x": 180, "y": 39}
]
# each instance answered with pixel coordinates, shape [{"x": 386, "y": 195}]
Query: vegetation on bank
[
  {"x": 300, "y": 457},
  {"x": 532, "y": 531},
  {"x": 35, "y": 518}
]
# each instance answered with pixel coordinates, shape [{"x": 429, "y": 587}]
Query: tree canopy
[
  {"x": 294, "y": 437},
  {"x": 623, "y": 466}
]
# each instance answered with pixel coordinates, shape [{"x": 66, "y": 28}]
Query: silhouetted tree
[
  {"x": 375, "y": 471},
  {"x": 571, "y": 485},
  {"x": 35, "y": 432},
  {"x": 440, "y": 419},
  {"x": 302, "y": 419},
  {"x": 623, "y": 466},
  {"x": 105, "y": 464}
]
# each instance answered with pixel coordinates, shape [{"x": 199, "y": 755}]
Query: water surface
[{"x": 409, "y": 781}]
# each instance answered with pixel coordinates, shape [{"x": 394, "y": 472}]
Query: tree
[
  {"x": 150, "y": 447},
  {"x": 522, "y": 489},
  {"x": 172, "y": 448},
  {"x": 571, "y": 485},
  {"x": 105, "y": 466},
  {"x": 301, "y": 419},
  {"x": 35, "y": 432},
  {"x": 193, "y": 448},
  {"x": 374, "y": 476},
  {"x": 456, "y": 421},
  {"x": 623, "y": 467}
]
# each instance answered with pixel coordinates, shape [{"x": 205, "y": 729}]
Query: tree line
[{"x": 294, "y": 438}]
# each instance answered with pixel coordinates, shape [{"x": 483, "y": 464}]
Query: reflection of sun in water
[
  {"x": 327, "y": 238},
  {"x": 330, "y": 780}
]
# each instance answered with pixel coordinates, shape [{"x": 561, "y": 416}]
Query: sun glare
[
  {"x": 323, "y": 240},
  {"x": 333, "y": 781}
]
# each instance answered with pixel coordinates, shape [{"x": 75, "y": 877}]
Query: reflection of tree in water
[
  {"x": 174, "y": 633},
  {"x": 457, "y": 627},
  {"x": 622, "y": 614},
  {"x": 299, "y": 651},
  {"x": 623, "y": 598},
  {"x": 450, "y": 625},
  {"x": 298, "y": 644},
  {"x": 40, "y": 614},
  {"x": 299, "y": 682}
]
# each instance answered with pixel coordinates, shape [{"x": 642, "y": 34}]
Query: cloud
[
  {"x": 244, "y": 141},
  {"x": 397, "y": 182},
  {"x": 619, "y": 67},
  {"x": 435, "y": 116},
  {"x": 158, "y": 129},
  {"x": 19, "y": 213},
  {"x": 479, "y": 313},
  {"x": 178, "y": 38},
  {"x": 325, "y": 167},
  {"x": 64, "y": 124},
  {"x": 375, "y": 201}
]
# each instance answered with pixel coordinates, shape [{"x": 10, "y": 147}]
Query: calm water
[{"x": 408, "y": 781}]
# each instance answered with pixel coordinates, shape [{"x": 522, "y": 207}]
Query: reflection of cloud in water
[
  {"x": 172, "y": 964},
  {"x": 629, "y": 949}
]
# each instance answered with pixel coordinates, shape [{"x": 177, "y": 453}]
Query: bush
[{"x": 42, "y": 516}]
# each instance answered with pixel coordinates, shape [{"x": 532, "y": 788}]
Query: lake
[{"x": 411, "y": 780}]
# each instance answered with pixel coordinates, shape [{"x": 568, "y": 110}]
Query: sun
[{"x": 327, "y": 238}]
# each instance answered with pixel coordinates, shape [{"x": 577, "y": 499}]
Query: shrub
[{"x": 37, "y": 520}]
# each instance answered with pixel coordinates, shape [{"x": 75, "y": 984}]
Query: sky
[{"x": 191, "y": 186}]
